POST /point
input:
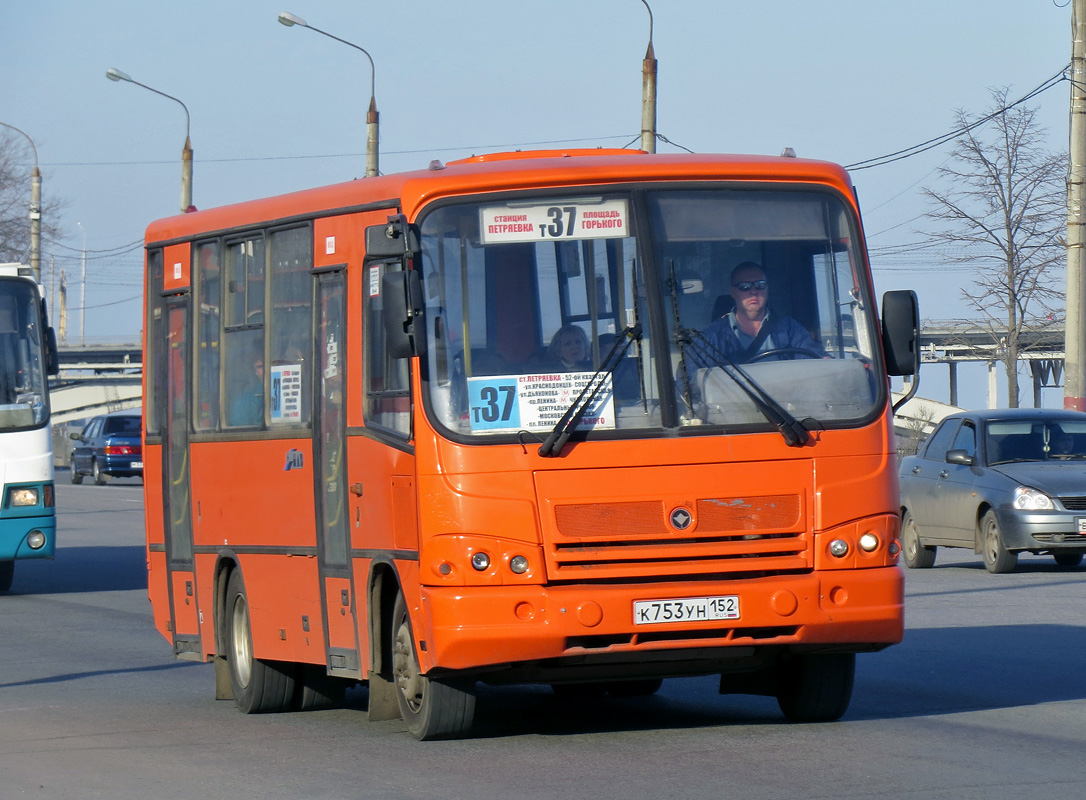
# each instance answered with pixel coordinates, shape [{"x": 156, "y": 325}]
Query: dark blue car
[{"x": 108, "y": 446}]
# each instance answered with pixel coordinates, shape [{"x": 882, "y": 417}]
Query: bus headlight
[
  {"x": 519, "y": 564},
  {"x": 22, "y": 496},
  {"x": 869, "y": 542},
  {"x": 35, "y": 540}
]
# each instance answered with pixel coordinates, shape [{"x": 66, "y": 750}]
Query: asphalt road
[{"x": 986, "y": 698}]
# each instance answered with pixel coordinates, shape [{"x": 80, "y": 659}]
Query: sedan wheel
[
  {"x": 997, "y": 559},
  {"x": 916, "y": 555}
]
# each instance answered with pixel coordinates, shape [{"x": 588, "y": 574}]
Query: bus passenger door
[
  {"x": 333, "y": 545},
  {"x": 177, "y": 506}
]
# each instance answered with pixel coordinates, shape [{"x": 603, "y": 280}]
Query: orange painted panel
[
  {"x": 284, "y": 599},
  {"x": 183, "y": 587},
  {"x": 157, "y": 591},
  {"x": 152, "y": 493},
  {"x": 342, "y": 630},
  {"x": 245, "y": 495},
  {"x": 176, "y": 267}
]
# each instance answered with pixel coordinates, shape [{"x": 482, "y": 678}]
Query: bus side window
[
  {"x": 289, "y": 324},
  {"x": 388, "y": 381},
  {"x": 208, "y": 333}
]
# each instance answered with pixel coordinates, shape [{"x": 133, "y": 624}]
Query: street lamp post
[
  {"x": 186, "y": 152},
  {"x": 372, "y": 117},
  {"x": 35, "y": 209}
]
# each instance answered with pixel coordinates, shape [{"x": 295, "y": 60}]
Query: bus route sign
[
  {"x": 564, "y": 219},
  {"x": 535, "y": 402}
]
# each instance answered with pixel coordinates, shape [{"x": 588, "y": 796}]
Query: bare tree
[
  {"x": 1005, "y": 212},
  {"x": 16, "y": 164},
  {"x": 912, "y": 429}
]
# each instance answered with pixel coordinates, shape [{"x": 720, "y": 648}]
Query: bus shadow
[
  {"x": 934, "y": 672},
  {"x": 83, "y": 569}
]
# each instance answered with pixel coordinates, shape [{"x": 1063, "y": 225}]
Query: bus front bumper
[{"x": 493, "y": 628}]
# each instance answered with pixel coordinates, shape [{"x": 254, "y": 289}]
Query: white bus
[{"x": 28, "y": 355}]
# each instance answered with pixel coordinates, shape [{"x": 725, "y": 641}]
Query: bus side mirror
[
  {"x": 394, "y": 239},
  {"x": 901, "y": 332},
  {"x": 52, "y": 353},
  {"x": 403, "y": 313}
]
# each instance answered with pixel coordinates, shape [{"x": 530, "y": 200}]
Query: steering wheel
[{"x": 785, "y": 351}]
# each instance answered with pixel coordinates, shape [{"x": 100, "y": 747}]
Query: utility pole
[
  {"x": 648, "y": 94},
  {"x": 62, "y": 324},
  {"x": 1074, "y": 385}
]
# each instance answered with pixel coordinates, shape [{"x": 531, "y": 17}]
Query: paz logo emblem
[{"x": 681, "y": 519}]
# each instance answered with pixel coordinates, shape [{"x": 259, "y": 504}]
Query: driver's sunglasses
[{"x": 746, "y": 286}]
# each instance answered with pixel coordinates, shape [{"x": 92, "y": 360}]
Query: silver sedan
[{"x": 999, "y": 481}]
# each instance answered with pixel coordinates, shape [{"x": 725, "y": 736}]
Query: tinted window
[
  {"x": 966, "y": 439},
  {"x": 940, "y": 441},
  {"x": 122, "y": 425}
]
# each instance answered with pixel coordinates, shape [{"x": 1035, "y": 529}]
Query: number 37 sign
[
  {"x": 565, "y": 219},
  {"x": 535, "y": 402}
]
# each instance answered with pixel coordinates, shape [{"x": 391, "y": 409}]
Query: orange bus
[{"x": 486, "y": 422}]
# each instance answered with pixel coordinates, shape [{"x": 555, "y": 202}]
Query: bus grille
[{"x": 726, "y": 535}]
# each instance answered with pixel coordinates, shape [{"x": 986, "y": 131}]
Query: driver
[{"x": 750, "y": 329}]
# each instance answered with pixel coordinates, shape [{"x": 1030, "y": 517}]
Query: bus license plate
[{"x": 688, "y": 609}]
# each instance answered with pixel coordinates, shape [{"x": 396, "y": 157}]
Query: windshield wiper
[
  {"x": 557, "y": 438},
  {"x": 793, "y": 431}
]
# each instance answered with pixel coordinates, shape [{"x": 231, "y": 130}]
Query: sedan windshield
[
  {"x": 742, "y": 308},
  {"x": 1036, "y": 440}
]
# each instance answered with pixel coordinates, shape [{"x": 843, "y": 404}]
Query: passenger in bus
[
  {"x": 569, "y": 350},
  {"x": 247, "y": 407},
  {"x": 750, "y": 328}
]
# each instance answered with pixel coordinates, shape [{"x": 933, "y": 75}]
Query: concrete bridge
[{"x": 95, "y": 379}]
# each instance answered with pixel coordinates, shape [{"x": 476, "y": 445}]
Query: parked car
[
  {"x": 999, "y": 481},
  {"x": 108, "y": 446}
]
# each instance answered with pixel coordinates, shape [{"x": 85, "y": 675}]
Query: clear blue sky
[{"x": 276, "y": 109}]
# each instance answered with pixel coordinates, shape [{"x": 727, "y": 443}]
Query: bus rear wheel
[
  {"x": 259, "y": 686},
  {"x": 816, "y": 687},
  {"x": 432, "y": 708},
  {"x": 7, "y": 575}
]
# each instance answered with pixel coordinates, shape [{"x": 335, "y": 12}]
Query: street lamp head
[
  {"x": 289, "y": 19},
  {"x": 117, "y": 75}
]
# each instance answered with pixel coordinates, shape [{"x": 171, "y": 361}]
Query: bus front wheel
[
  {"x": 432, "y": 708},
  {"x": 259, "y": 686},
  {"x": 816, "y": 687}
]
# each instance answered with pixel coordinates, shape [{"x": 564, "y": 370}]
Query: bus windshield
[
  {"x": 24, "y": 400},
  {"x": 718, "y": 298}
]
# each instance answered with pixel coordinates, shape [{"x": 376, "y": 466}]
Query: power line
[
  {"x": 930, "y": 144},
  {"x": 119, "y": 250},
  {"x": 469, "y": 148}
]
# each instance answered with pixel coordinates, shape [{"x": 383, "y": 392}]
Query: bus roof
[{"x": 496, "y": 172}]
